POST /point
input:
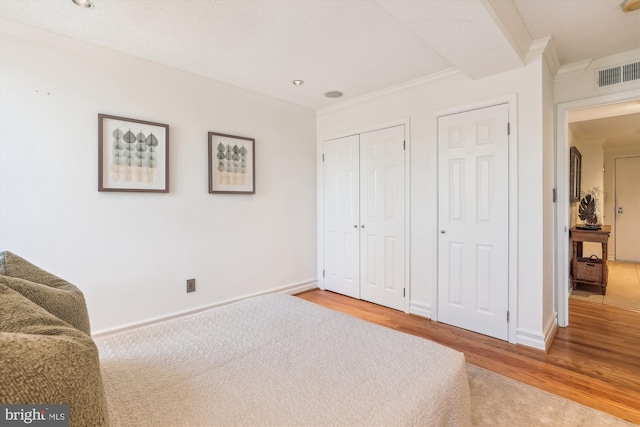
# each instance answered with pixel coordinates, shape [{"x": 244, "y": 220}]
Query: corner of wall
[
  {"x": 539, "y": 340},
  {"x": 545, "y": 47},
  {"x": 550, "y": 330}
]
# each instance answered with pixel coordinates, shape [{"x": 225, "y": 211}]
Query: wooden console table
[{"x": 601, "y": 236}]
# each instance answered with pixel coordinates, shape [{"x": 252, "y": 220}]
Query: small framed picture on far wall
[{"x": 232, "y": 164}]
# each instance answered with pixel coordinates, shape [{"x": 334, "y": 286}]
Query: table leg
[
  {"x": 574, "y": 263},
  {"x": 605, "y": 268}
]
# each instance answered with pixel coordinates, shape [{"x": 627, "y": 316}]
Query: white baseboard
[
  {"x": 530, "y": 339},
  {"x": 295, "y": 288},
  {"x": 420, "y": 309},
  {"x": 540, "y": 341}
]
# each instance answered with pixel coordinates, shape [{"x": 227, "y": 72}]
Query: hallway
[{"x": 623, "y": 289}]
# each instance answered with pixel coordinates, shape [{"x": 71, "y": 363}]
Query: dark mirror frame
[{"x": 575, "y": 168}]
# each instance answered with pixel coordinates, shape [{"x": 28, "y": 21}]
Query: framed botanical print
[
  {"x": 133, "y": 155},
  {"x": 232, "y": 164}
]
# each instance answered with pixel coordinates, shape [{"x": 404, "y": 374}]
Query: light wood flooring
[
  {"x": 623, "y": 289},
  {"x": 595, "y": 361}
]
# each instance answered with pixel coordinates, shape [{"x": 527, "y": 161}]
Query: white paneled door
[
  {"x": 382, "y": 217},
  {"x": 627, "y": 205},
  {"x": 473, "y": 216},
  {"x": 364, "y": 208},
  {"x": 342, "y": 216}
]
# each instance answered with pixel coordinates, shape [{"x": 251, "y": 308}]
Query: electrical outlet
[{"x": 191, "y": 285}]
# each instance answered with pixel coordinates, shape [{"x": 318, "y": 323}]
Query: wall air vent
[
  {"x": 618, "y": 74},
  {"x": 631, "y": 72}
]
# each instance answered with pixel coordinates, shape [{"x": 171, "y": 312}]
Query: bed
[{"x": 279, "y": 360}]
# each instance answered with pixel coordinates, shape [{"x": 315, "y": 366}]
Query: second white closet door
[{"x": 382, "y": 224}]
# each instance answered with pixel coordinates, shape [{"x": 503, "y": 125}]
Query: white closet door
[
  {"x": 473, "y": 215},
  {"x": 341, "y": 216},
  {"x": 382, "y": 227}
]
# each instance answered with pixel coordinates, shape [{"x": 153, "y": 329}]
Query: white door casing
[
  {"x": 562, "y": 244},
  {"x": 382, "y": 217},
  {"x": 627, "y": 209},
  {"x": 341, "y": 216},
  {"x": 473, "y": 215}
]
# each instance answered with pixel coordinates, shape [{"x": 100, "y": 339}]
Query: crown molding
[
  {"x": 574, "y": 68},
  {"x": 447, "y": 74},
  {"x": 546, "y": 48}
]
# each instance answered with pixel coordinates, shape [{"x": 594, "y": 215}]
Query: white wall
[
  {"x": 51, "y": 91},
  {"x": 592, "y": 166},
  {"x": 421, "y": 102}
]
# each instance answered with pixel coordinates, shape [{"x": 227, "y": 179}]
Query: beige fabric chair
[
  {"x": 50, "y": 292},
  {"x": 47, "y": 356}
]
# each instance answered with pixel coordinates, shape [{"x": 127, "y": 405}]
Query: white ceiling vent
[{"x": 618, "y": 74}]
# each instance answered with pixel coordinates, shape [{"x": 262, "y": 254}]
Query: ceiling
[
  {"x": 608, "y": 125},
  {"x": 610, "y": 131},
  {"x": 355, "y": 46}
]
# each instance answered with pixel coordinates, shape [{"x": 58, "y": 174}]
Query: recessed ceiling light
[
  {"x": 333, "y": 94},
  {"x": 298, "y": 82},
  {"x": 83, "y": 3}
]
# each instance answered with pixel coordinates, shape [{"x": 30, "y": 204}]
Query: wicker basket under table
[
  {"x": 589, "y": 269},
  {"x": 592, "y": 270}
]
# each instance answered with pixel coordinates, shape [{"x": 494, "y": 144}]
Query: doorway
[
  {"x": 589, "y": 113},
  {"x": 622, "y": 191}
]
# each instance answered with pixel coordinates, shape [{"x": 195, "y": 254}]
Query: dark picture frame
[
  {"x": 232, "y": 164},
  {"x": 575, "y": 174},
  {"x": 133, "y": 155}
]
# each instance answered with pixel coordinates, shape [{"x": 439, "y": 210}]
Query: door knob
[
  {"x": 362, "y": 226},
  {"x": 620, "y": 210},
  {"x": 442, "y": 231},
  {"x": 355, "y": 226}
]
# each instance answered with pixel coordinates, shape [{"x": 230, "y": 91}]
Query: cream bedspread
[{"x": 277, "y": 360}]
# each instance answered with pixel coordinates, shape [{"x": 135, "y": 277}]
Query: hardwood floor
[{"x": 595, "y": 361}]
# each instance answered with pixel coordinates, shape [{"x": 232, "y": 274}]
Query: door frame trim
[
  {"x": 561, "y": 247},
  {"x": 406, "y": 122},
  {"x": 512, "y": 102}
]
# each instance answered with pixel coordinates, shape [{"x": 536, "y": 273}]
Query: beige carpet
[
  {"x": 623, "y": 288},
  {"x": 500, "y": 401}
]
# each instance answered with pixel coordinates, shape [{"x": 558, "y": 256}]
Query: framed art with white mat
[
  {"x": 133, "y": 155},
  {"x": 231, "y": 164}
]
